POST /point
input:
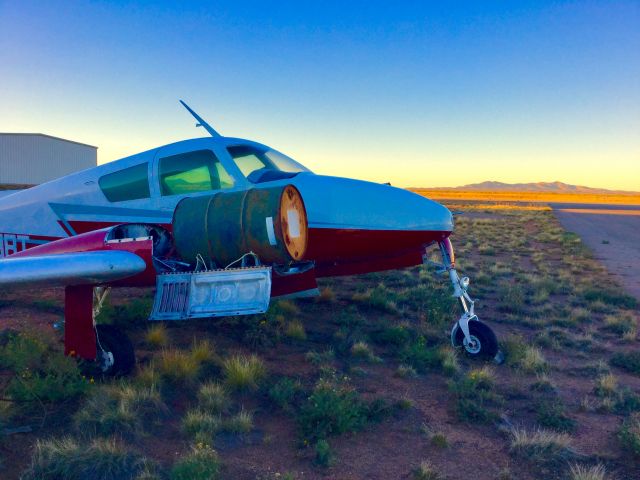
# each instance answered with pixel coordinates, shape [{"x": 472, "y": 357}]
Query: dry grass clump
[
  {"x": 287, "y": 307},
  {"x": 624, "y": 324},
  {"x": 124, "y": 410},
  {"x": 213, "y": 397},
  {"x": 98, "y": 459},
  {"x": 533, "y": 361},
  {"x": 243, "y": 372},
  {"x": 606, "y": 385},
  {"x": 579, "y": 472},
  {"x": 157, "y": 336},
  {"x": 426, "y": 471},
  {"x": 177, "y": 366},
  {"x": 202, "y": 351},
  {"x": 540, "y": 444},
  {"x": 200, "y": 425},
  {"x": 241, "y": 422},
  {"x": 295, "y": 330},
  {"x": 327, "y": 295}
]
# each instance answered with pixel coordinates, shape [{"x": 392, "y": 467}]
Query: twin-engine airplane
[{"x": 220, "y": 226}]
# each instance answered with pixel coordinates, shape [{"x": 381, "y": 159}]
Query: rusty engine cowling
[{"x": 271, "y": 222}]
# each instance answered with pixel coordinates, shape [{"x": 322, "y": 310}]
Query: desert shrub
[
  {"x": 474, "y": 396},
  {"x": 629, "y": 361},
  {"x": 320, "y": 358},
  {"x": 433, "y": 302},
  {"x": 610, "y": 297},
  {"x": 213, "y": 397},
  {"x": 120, "y": 410},
  {"x": 519, "y": 354},
  {"x": 157, "y": 336},
  {"x": 324, "y": 454},
  {"x": 378, "y": 298},
  {"x": 439, "y": 440},
  {"x": 39, "y": 373},
  {"x": 623, "y": 324},
  {"x": 134, "y": 312},
  {"x": 551, "y": 414},
  {"x": 627, "y": 402},
  {"x": 99, "y": 459},
  {"x": 20, "y": 351},
  {"x": 201, "y": 463},
  {"x": 629, "y": 434},
  {"x": 511, "y": 297},
  {"x": 334, "y": 409},
  {"x": 396, "y": 336},
  {"x": 425, "y": 358},
  {"x": 244, "y": 372},
  {"x": 285, "y": 393},
  {"x": 362, "y": 351}
]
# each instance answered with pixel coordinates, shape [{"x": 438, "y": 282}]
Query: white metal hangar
[{"x": 34, "y": 158}]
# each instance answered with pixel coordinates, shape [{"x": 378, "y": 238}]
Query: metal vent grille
[
  {"x": 242, "y": 291},
  {"x": 172, "y": 296}
]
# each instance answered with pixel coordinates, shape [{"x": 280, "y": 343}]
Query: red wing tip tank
[{"x": 219, "y": 226}]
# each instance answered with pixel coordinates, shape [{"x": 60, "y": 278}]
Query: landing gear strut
[
  {"x": 477, "y": 339},
  {"x": 104, "y": 346}
]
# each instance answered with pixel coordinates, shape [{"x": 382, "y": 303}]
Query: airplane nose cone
[{"x": 354, "y": 220}]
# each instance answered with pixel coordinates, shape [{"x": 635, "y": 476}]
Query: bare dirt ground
[{"x": 612, "y": 232}]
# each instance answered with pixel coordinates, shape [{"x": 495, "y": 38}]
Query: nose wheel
[
  {"x": 481, "y": 343},
  {"x": 475, "y": 337}
]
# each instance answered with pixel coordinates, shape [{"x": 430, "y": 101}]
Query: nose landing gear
[{"x": 475, "y": 337}]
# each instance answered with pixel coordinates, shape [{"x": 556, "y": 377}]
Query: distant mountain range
[{"x": 540, "y": 187}]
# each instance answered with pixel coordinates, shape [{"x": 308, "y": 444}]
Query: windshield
[{"x": 253, "y": 162}]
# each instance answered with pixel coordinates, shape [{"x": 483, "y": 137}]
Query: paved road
[{"x": 612, "y": 232}]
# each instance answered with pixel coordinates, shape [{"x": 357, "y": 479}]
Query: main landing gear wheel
[
  {"x": 482, "y": 341},
  {"x": 115, "y": 355}
]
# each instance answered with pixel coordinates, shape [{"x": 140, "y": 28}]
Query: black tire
[
  {"x": 481, "y": 332},
  {"x": 112, "y": 340}
]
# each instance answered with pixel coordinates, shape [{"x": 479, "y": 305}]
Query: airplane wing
[{"x": 63, "y": 269}]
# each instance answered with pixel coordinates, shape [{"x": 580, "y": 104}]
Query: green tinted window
[
  {"x": 127, "y": 184},
  {"x": 192, "y": 172}
]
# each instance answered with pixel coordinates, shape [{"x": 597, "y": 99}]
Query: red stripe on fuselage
[{"x": 328, "y": 245}]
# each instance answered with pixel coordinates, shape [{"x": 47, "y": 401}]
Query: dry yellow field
[{"x": 530, "y": 197}]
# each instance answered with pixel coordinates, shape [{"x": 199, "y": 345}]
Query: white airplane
[{"x": 220, "y": 226}]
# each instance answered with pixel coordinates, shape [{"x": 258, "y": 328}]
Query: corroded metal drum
[{"x": 271, "y": 222}]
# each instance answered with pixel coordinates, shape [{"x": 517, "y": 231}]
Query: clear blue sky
[{"x": 416, "y": 93}]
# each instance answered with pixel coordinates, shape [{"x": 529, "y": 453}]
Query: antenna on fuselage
[{"x": 201, "y": 122}]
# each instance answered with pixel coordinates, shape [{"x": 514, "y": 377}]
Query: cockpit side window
[
  {"x": 248, "y": 159},
  {"x": 191, "y": 172},
  {"x": 263, "y": 164},
  {"x": 130, "y": 183}
]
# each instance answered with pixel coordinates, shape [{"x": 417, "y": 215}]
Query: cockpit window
[
  {"x": 191, "y": 172},
  {"x": 254, "y": 163}
]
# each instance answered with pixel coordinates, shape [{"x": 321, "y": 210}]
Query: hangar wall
[{"x": 34, "y": 158}]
